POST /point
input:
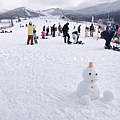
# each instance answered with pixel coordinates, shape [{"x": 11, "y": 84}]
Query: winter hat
[{"x": 30, "y": 23}]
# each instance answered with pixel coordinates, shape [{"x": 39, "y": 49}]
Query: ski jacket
[
  {"x": 75, "y": 32},
  {"x": 91, "y": 27},
  {"x": 30, "y": 29},
  {"x": 107, "y": 34},
  {"x": 65, "y": 28},
  {"x": 43, "y": 34}
]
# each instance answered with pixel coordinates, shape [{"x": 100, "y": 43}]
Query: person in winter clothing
[
  {"x": 59, "y": 29},
  {"x": 43, "y": 34},
  {"x": 113, "y": 27},
  {"x": 75, "y": 36},
  {"x": 66, "y": 34},
  {"x": 44, "y": 28},
  {"x": 47, "y": 31},
  {"x": 30, "y": 33},
  {"x": 53, "y": 30},
  {"x": 34, "y": 36},
  {"x": 117, "y": 36},
  {"x": 91, "y": 30},
  {"x": 107, "y": 35},
  {"x": 79, "y": 28},
  {"x": 86, "y": 31}
]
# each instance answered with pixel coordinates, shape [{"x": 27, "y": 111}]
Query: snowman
[{"x": 88, "y": 89}]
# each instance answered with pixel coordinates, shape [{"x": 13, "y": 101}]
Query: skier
[{"x": 66, "y": 34}]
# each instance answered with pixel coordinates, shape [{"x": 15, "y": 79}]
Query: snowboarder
[
  {"x": 107, "y": 35},
  {"x": 75, "y": 36}
]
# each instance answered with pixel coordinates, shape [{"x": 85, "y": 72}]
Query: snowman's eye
[
  {"x": 89, "y": 73},
  {"x": 96, "y": 74}
]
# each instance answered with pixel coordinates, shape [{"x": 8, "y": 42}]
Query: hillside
[
  {"x": 19, "y": 12},
  {"x": 101, "y": 8}
]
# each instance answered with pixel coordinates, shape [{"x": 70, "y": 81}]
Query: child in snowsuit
[{"x": 43, "y": 34}]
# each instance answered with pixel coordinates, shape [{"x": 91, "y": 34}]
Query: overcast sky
[{"x": 46, "y": 4}]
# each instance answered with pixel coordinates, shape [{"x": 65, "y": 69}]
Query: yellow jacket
[{"x": 30, "y": 29}]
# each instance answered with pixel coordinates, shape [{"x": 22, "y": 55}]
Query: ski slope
[{"x": 39, "y": 82}]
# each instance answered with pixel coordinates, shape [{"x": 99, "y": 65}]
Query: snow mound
[{"x": 108, "y": 95}]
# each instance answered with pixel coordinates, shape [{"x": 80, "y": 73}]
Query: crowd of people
[
  {"x": 108, "y": 34},
  {"x": 46, "y": 31}
]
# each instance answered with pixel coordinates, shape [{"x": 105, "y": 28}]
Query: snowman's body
[
  {"x": 89, "y": 89},
  {"x": 88, "y": 85}
]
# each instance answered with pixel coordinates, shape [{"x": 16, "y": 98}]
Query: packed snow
[{"x": 39, "y": 82}]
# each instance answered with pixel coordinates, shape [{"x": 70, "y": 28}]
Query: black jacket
[
  {"x": 65, "y": 28},
  {"x": 107, "y": 34}
]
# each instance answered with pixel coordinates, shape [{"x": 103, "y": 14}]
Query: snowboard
[{"x": 79, "y": 42}]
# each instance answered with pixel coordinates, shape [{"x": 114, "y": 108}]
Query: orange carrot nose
[
  {"x": 90, "y": 64},
  {"x": 92, "y": 80}
]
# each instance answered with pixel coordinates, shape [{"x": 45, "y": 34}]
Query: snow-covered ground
[{"x": 39, "y": 82}]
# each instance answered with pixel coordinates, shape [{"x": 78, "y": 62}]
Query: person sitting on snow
[
  {"x": 43, "y": 34},
  {"x": 75, "y": 36}
]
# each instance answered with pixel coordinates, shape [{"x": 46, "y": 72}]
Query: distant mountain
[
  {"x": 96, "y": 10},
  {"x": 101, "y": 8},
  {"x": 19, "y": 12},
  {"x": 52, "y": 11}
]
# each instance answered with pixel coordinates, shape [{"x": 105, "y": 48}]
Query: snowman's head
[{"x": 89, "y": 74}]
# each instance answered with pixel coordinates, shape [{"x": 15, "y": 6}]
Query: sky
[{"x": 46, "y": 4}]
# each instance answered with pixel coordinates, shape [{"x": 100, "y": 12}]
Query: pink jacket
[
  {"x": 118, "y": 32},
  {"x": 43, "y": 34}
]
